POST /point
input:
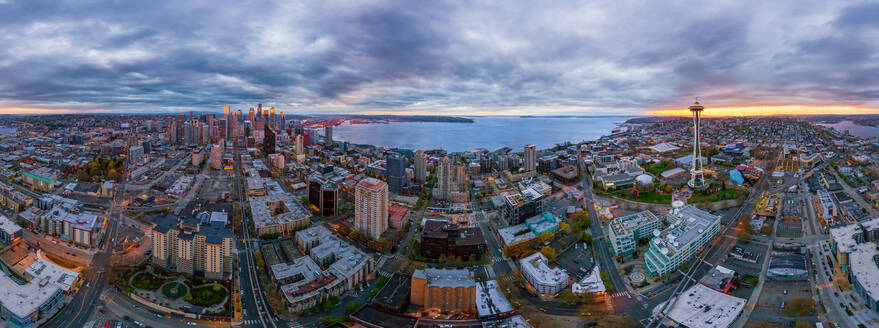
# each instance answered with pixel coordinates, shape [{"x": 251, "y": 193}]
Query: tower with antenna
[{"x": 697, "y": 179}]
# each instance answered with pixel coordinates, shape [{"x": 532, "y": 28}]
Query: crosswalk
[
  {"x": 497, "y": 258},
  {"x": 508, "y": 278},
  {"x": 620, "y": 294},
  {"x": 256, "y": 322}
]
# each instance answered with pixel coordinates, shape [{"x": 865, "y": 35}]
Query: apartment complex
[
  {"x": 74, "y": 225},
  {"x": 689, "y": 228},
  {"x": 200, "y": 245},
  {"x": 626, "y": 231},
  {"x": 445, "y": 289},
  {"x": 371, "y": 207},
  {"x": 855, "y": 248},
  {"x": 545, "y": 279},
  {"x": 278, "y": 213},
  {"x": 331, "y": 268}
]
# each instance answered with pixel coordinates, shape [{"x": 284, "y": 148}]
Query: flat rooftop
[
  {"x": 48, "y": 280},
  {"x": 275, "y": 209},
  {"x": 537, "y": 265},
  {"x": 700, "y": 306},
  {"x": 864, "y": 266},
  {"x": 490, "y": 300},
  {"x": 9, "y": 227},
  {"x": 446, "y": 277}
]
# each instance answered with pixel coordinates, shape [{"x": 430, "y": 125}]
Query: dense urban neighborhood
[{"x": 253, "y": 219}]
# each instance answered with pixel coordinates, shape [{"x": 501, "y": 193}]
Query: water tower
[{"x": 697, "y": 179}]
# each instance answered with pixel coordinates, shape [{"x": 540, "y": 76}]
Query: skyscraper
[
  {"x": 531, "y": 159},
  {"x": 328, "y": 135},
  {"x": 396, "y": 171},
  {"x": 697, "y": 179},
  {"x": 444, "y": 178},
  {"x": 420, "y": 166},
  {"x": 226, "y": 115},
  {"x": 371, "y": 207},
  {"x": 250, "y": 114},
  {"x": 282, "y": 124},
  {"x": 268, "y": 141},
  {"x": 300, "y": 149}
]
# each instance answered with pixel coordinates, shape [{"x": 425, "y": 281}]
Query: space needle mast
[{"x": 697, "y": 179}]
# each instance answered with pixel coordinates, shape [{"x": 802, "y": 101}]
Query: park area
[{"x": 178, "y": 291}]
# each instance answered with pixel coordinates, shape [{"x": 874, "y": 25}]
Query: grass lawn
[
  {"x": 730, "y": 193},
  {"x": 169, "y": 292},
  {"x": 147, "y": 281},
  {"x": 208, "y": 295},
  {"x": 645, "y": 197}
]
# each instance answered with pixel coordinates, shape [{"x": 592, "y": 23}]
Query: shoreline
[{"x": 357, "y": 138}]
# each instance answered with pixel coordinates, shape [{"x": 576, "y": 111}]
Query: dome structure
[{"x": 644, "y": 180}]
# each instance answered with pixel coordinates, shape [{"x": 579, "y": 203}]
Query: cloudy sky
[{"x": 467, "y": 57}]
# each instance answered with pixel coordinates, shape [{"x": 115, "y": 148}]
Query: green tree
[
  {"x": 351, "y": 307},
  {"x": 586, "y": 238}
]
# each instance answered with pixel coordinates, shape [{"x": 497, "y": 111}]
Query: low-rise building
[
  {"x": 689, "y": 228},
  {"x": 24, "y": 303},
  {"x": 442, "y": 238},
  {"x": 42, "y": 179},
  {"x": 279, "y": 213},
  {"x": 591, "y": 283},
  {"x": 700, "y": 306},
  {"x": 331, "y": 268},
  {"x": 9, "y": 231},
  {"x": 545, "y": 279},
  {"x": 626, "y": 231},
  {"x": 444, "y": 289},
  {"x": 74, "y": 226}
]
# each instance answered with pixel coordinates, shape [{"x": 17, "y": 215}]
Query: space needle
[{"x": 697, "y": 179}]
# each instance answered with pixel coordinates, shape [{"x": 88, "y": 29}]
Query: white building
[
  {"x": 591, "y": 283},
  {"x": 80, "y": 228},
  {"x": 541, "y": 276},
  {"x": 346, "y": 267},
  {"x": 626, "y": 231},
  {"x": 371, "y": 207},
  {"x": 689, "y": 229},
  {"x": 700, "y": 306}
]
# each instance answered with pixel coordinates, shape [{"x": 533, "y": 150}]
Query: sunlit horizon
[{"x": 720, "y": 111}]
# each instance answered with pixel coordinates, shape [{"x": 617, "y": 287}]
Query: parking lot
[
  {"x": 753, "y": 250},
  {"x": 790, "y": 227},
  {"x": 576, "y": 258},
  {"x": 769, "y": 306}
]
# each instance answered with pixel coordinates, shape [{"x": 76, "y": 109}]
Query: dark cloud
[{"x": 435, "y": 56}]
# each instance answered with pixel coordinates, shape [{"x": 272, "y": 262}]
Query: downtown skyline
[{"x": 388, "y": 57}]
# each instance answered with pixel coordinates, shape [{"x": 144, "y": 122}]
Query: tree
[
  {"x": 800, "y": 306},
  {"x": 549, "y": 252},
  {"x": 586, "y": 238},
  {"x": 351, "y": 307},
  {"x": 564, "y": 226}
]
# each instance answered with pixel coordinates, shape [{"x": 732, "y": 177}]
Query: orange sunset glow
[{"x": 769, "y": 110}]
